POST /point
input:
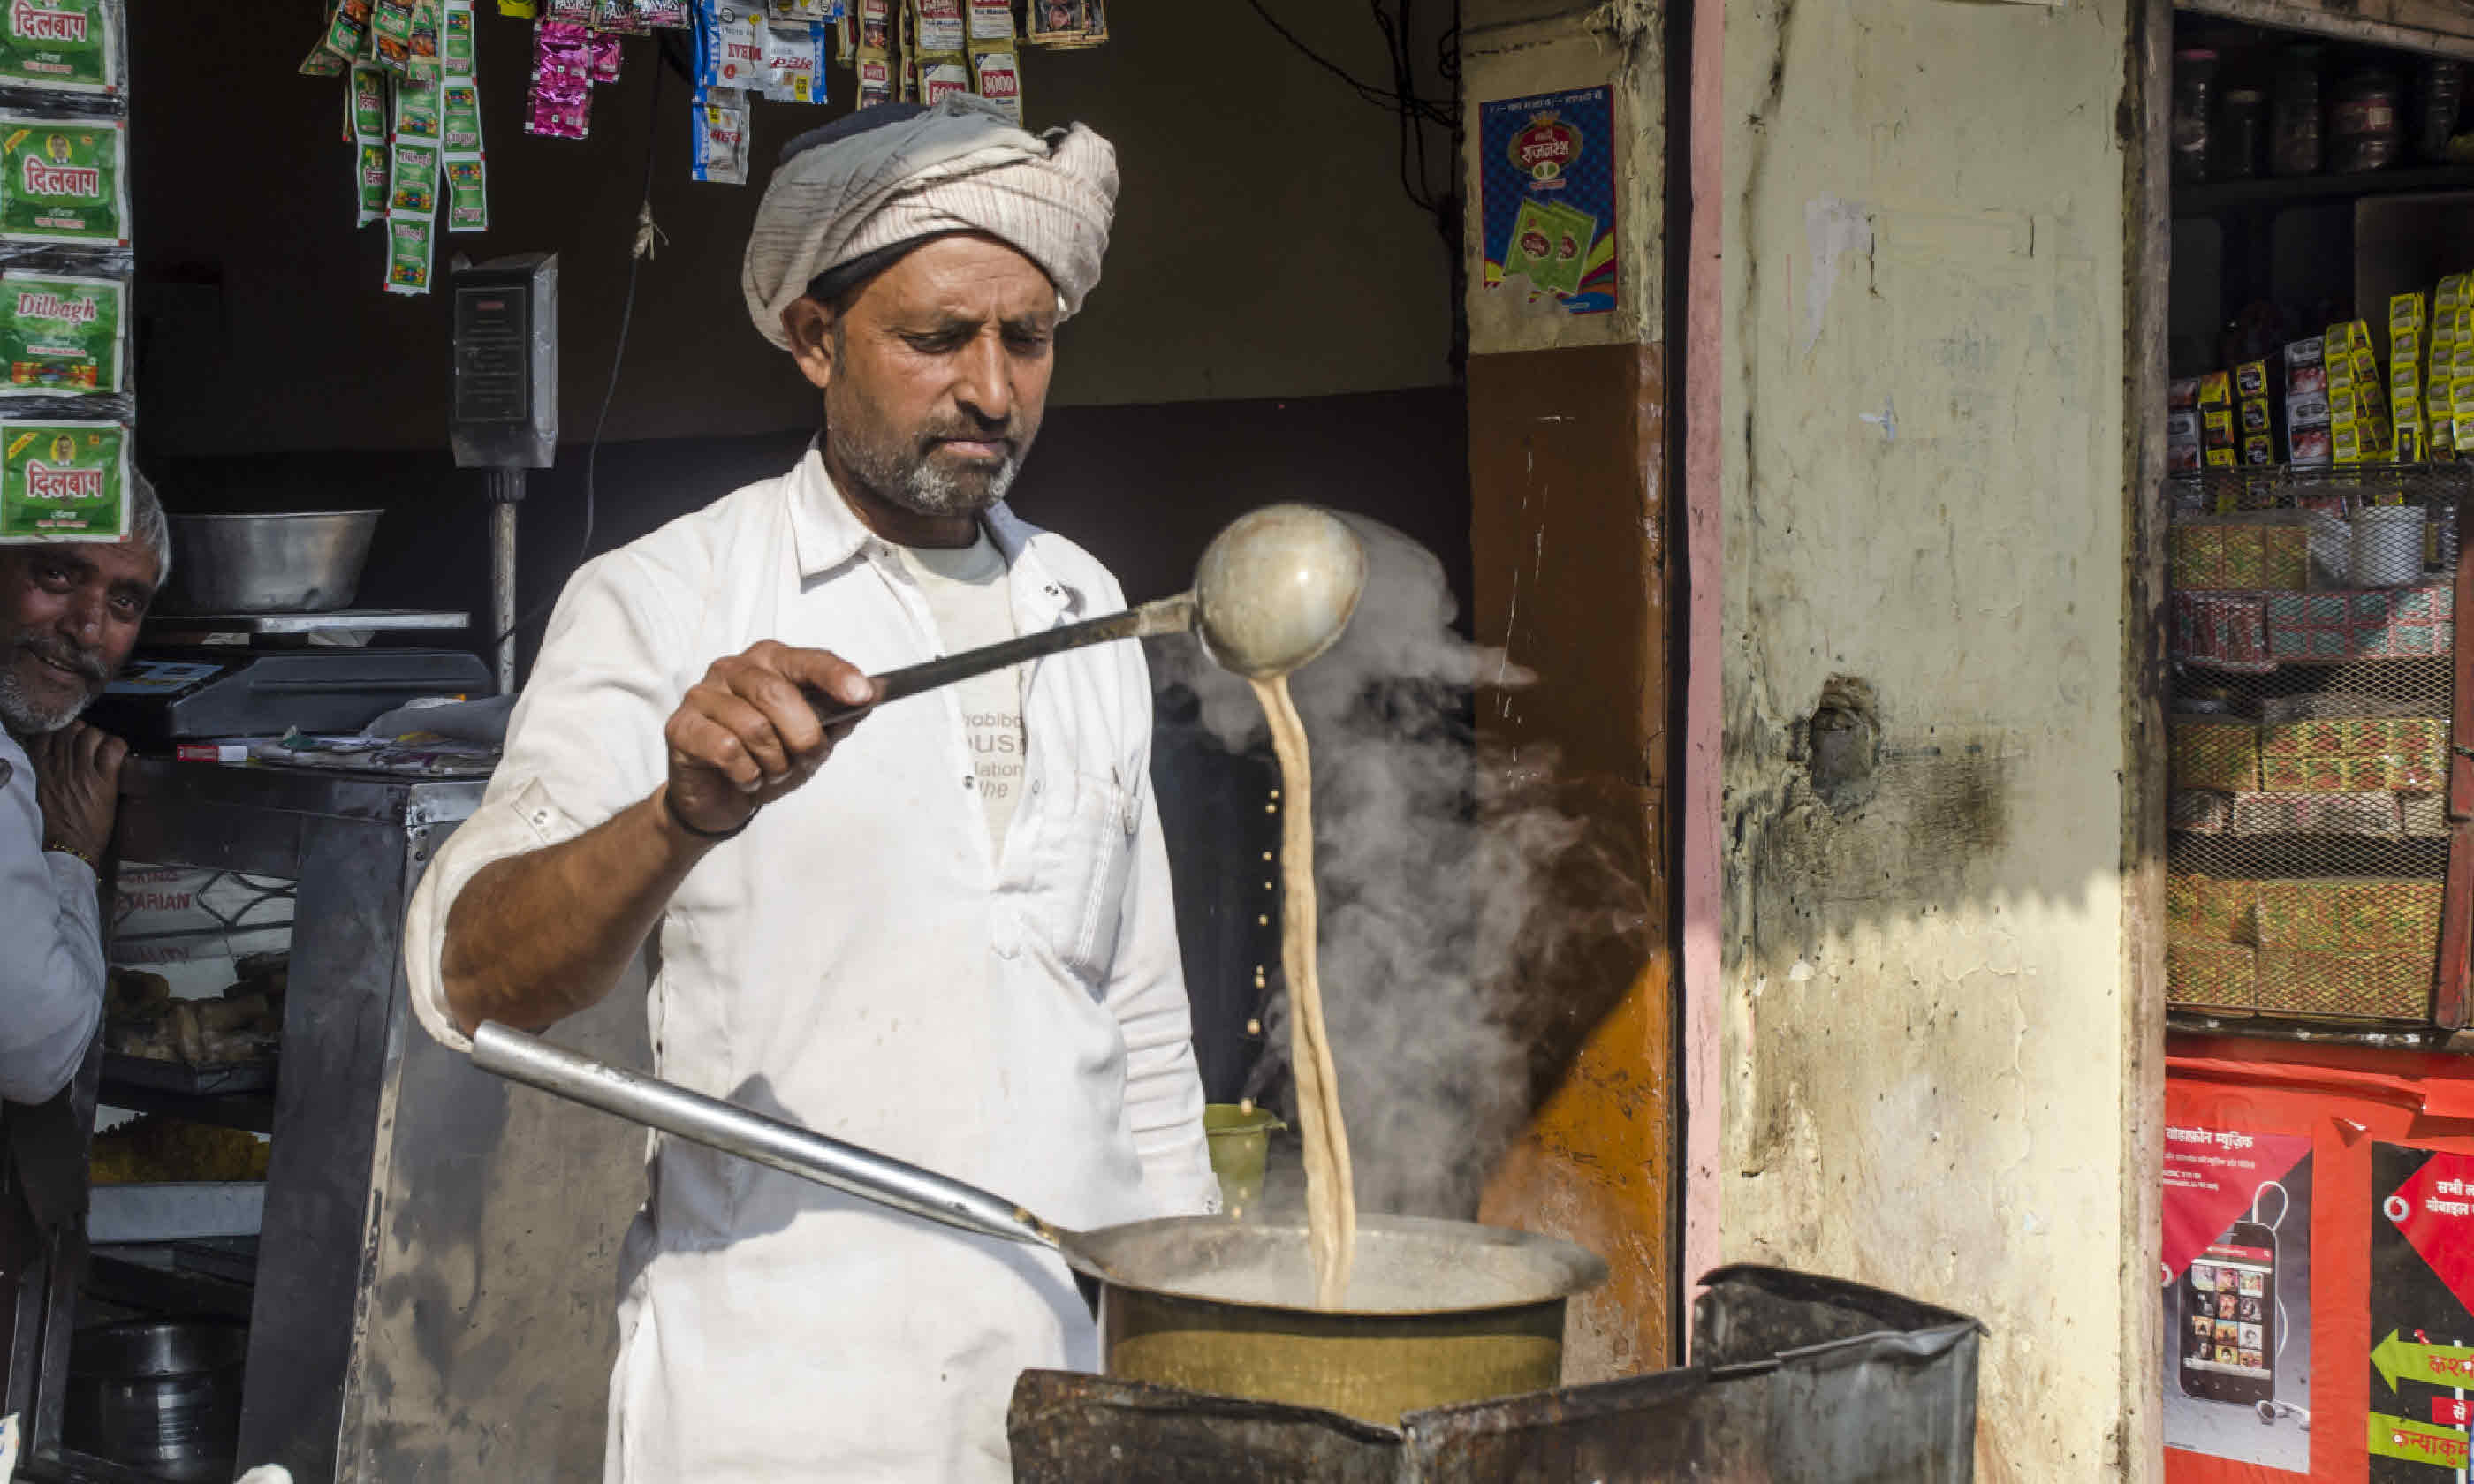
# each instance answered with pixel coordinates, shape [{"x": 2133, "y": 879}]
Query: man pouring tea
[{"x": 943, "y": 932}]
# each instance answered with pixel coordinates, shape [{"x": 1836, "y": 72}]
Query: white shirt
[
  {"x": 973, "y": 608},
  {"x": 51, "y": 946},
  {"x": 863, "y": 960}
]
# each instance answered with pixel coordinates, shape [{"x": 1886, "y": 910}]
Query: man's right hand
[
  {"x": 746, "y": 735},
  {"x": 76, "y": 786}
]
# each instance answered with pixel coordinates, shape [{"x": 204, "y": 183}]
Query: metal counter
[{"x": 436, "y": 1269}]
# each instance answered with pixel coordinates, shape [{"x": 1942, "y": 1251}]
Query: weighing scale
[{"x": 256, "y": 675}]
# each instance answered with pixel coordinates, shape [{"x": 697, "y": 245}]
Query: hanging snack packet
[
  {"x": 368, "y": 97},
  {"x": 991, "y": 20},
  {"x": 875, "y": 78},
  {"x": 666, "y": 15},
  {"x": 717, "y": 148},
  {"x": 346, "y": 33},
  {"x": 372, "y": 181},
  {"x": 62, "y": 481},
  {"x": 943, "y": 78},
  {"x": 803, "y": 12},
  {"x": 1052, "y": 22},
  {"x": 619, "y": 17},
  {"x": 416, "y": 109},
  {"x": 74, "y": 45},
  {"x": 459, "y": 106},
  {"x": 794, "y": 63},
  {"x": 60, "y": 336},
  {"x": 411, "y": 242},
  {"x": 455, "y": 53},
  {"x": 996, "y": 75},
  {"x": 568, "y": 13},
  {"x": 426, "y": 23},
  {"x": 603, "y": 45},
  {"x": 413, "y": 184},
  {"x": 936, "y": 25},
  {"x": 390, "y": 32},
  {"x": 468, "y": 194},
  {"x": 730, "y": 44},
  {"x": 558, "y": 105},
  {"x": 63, "y": 180}
]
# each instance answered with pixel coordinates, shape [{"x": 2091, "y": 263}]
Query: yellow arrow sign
[
  {"x": 2433, "y": 1365},
  {"x": 2402, "y": 1437}
]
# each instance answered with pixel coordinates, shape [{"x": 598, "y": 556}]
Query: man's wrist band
[
  {"x": 680, "y": 819},
  {"x": 55, "y": 847}
]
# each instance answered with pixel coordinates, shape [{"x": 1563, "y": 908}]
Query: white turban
[{"x": 864, "y": 184}]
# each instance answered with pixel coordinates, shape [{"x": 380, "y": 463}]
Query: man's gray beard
[
  {"x": 26, "y": 717},
  {"x": 919, "y": 486}
]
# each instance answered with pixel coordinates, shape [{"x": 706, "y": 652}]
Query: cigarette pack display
[
  {"x": 2219, "y": 975},
  {"x": 2210, "y": 909},
  {"x": 2197, "y": 811},
  {"x": 2224, "y": 630},
  {"x": 2349, "y": 915},
  {"x": 2211, "y": 754},
  {"x": 2373, "y": 814},
  {"x": 2422, "y": 816},
  {"x": 2376, "y": 624},
  {"x": 2386, "y": 985}
]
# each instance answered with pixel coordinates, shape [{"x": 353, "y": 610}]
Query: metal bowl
[
  {"x": 301, "y": 561},
  {"x": 161, "y": 1395}
]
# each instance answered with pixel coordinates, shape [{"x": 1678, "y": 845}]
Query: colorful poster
[
  {"x": 1548, "y": 197},
  {"x": 2422, "y": 1314},
  {"x": 2236, "y": 1206}
]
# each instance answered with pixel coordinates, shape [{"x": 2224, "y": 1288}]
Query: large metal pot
[
  {"x": 161, "y": 1395},
  {"x": 298, "y": 561},
  {"x": 1439, "y": 1311}
]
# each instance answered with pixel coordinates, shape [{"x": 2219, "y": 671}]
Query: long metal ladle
[
  {"x": 772, "y": 1143},
  {"x": 1273, "y": 589}
]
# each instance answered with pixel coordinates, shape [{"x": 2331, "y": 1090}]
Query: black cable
[
  {"x": 1364, "y": 90},
  {"x": 618, "y": 358}
]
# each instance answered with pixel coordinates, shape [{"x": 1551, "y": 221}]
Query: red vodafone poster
[{"x": 2237, "y": 1250}]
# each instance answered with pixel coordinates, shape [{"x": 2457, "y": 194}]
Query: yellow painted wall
[{"x": 1926, "y": 1032}]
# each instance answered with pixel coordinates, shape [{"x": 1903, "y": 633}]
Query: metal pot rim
[
  {"x": 1580, "y": 1269},
  {"x": 265, "y": 514}
]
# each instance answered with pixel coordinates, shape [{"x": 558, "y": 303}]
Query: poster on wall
[
  {"x": 1547, "y": 197},
  {"x": 2422, "y": 1314},
  {"x": 2237, "y": 1206}
]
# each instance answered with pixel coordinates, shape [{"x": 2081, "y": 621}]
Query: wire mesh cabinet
[{"x": 2316, "y": 858}]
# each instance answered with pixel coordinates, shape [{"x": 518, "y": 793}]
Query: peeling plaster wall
[{"x": 1922, "y": 465}]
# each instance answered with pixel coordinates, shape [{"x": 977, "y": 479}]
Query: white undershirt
[{"x": 966, "y": 591}]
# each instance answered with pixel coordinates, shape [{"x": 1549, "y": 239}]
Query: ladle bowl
[{"x": 1276, "y": 588}]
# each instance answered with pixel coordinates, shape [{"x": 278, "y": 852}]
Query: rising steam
[{"x": 1448, "y": 878}]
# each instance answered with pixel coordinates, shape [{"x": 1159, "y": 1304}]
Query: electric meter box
[{"x": 503, "y": 409}]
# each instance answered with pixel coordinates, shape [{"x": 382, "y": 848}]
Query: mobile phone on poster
[{"x": 2227, "y": 1320}]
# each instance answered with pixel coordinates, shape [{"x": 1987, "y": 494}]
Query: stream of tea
[{"x": 1331, "y": 1200}]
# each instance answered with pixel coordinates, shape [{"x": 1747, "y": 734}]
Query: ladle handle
[
  {"x": 1162, "y": 615},
  {"x": 751, "y": 1136}
]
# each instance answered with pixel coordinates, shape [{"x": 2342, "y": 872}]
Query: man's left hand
[{"x": 77, "y": 785}]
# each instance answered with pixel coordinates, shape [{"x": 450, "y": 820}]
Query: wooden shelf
[{"x": 2268, "y": 192}]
